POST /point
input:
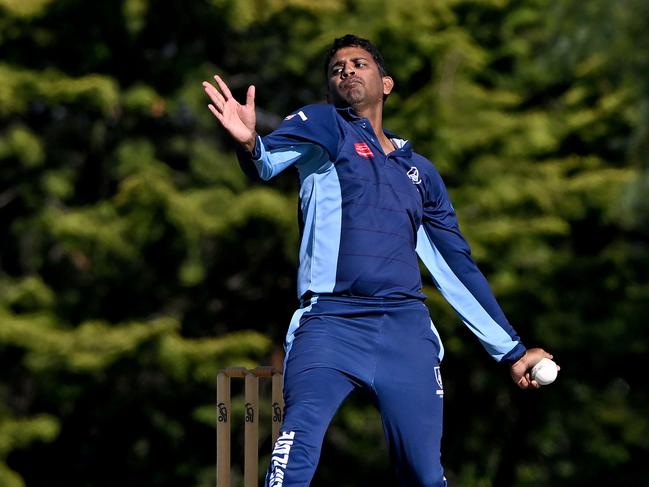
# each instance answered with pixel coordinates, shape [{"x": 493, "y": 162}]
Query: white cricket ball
[{"x": 545, "y": 372}]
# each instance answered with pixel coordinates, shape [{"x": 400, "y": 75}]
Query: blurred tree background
[{"x": 136, "y": 260}]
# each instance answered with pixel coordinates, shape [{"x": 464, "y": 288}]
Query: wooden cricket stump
[{"x": 251, "y": 427}]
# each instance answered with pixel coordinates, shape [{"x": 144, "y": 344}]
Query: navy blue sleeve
[{"x": 447, "y": 255}]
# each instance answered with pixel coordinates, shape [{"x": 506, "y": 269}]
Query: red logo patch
[{"x": 363, "y": 150}]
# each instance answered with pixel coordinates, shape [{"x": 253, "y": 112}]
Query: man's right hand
[{"x": 239, "y": 120}]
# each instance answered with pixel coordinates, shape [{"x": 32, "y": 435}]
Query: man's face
[{"x": 355, "y": 79}]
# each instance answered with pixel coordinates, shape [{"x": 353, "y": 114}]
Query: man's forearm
[{"x": 269, "y": 163}]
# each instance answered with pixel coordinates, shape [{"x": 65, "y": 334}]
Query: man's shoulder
[
  {"x": 426, "y": 168},
  {"x": 316, "y": 123},
  {"x": 423, "y": 163},
  {"x": 315, "y": 111}
]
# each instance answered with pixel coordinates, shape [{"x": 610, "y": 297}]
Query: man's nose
[{"x": 348, "y": 70}]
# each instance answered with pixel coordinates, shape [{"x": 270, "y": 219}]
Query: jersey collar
[{"x": 402, "y": 144}]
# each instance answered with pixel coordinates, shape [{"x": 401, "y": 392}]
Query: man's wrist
[
  {"x": 250, "y": 145},
  {"x": 515, "y": 355}
]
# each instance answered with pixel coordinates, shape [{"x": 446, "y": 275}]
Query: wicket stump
[{"x": 251, "y": 428}]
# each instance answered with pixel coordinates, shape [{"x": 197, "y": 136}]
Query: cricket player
[{"x": 369, "y": 208}]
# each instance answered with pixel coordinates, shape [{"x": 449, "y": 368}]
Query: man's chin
[
  {"x": 350, "y": 99},
  {"x": 354, "y": 97}
]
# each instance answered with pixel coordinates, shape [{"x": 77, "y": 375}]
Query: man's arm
[
  {"x": 447, "y": 256},
  {"x": 268, "y": 163},
  {"x": 310, "y": 135},
  {"x": 309, "y": 138}
]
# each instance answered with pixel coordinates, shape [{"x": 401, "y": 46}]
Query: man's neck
[{"x": 374, "y": 114}]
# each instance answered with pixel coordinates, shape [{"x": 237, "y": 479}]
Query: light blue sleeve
[
  {"x": 270, "y": 163},
  {"x": 466, "y": 290},
  {"x": 446, "y": 253}
]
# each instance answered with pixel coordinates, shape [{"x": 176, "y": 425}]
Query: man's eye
[
  {"x": 360, "y": 65},
  {"x": 336, "y": 70}
]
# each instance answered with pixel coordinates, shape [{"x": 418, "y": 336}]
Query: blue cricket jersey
[{"x": 366, "y": 216}]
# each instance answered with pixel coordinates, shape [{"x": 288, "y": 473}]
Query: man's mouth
[{"x": 349, "y": 82}]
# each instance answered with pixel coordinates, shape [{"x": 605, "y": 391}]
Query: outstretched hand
[
  {"x": 239, "y": 120},
  {"x": 521, "y": 369}
]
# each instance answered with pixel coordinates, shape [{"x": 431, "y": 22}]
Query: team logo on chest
[
  {"x": 413, "y": 174},
  {"x": 363, "y": 150}
]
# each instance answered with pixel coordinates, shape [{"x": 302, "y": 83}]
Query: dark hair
[{"x": 350, "y": 40}]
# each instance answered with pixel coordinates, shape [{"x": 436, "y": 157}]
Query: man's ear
[{"x": 388, "y": 84}]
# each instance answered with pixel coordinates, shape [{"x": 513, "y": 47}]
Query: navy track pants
[{"x": 389, "y": 347}]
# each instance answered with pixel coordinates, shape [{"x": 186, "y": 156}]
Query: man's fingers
[
  {"x": 217, "y": 114},
  {"x": 223, "y": 87},
  {"x": 213, "y": 109},
  {"x": 250, "y": 96},
  {"x": 526, "y": 382},
  {"x": 214, "y": 95}
]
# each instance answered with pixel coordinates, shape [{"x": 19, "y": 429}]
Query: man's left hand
[{"x": 521, "y": 369}]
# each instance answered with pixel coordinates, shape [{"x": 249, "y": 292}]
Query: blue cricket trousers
[{"x": 389, "y": 347}]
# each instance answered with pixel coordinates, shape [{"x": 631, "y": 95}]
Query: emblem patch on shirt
[
  {"x": 438, "y": 378},
  {"x": 298, "y": 114},
  {"x": 413, "y": 174},
  {"x": 363, "y": 150}
]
